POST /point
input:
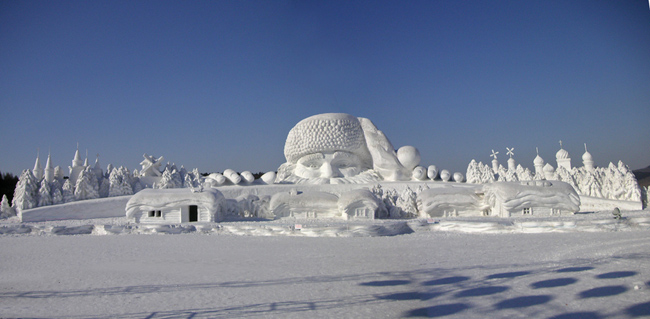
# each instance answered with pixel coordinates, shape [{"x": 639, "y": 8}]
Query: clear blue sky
[{"x": 219, "y": 84}]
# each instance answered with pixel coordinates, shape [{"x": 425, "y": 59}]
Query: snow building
[
  {"x": 38, "y": 169},
  {"x": 446, "y": 202},
  {"x": 312, "y": 204},
  {"x": 360, "y": 204},
  {"x": 539, "y": 198},
  {"x": 49, "y": 170},
  {"x": 588, "y": 161},
  {"x": 173, "y": 206},
  {"x": 563, "y": 159},
  {"x": 76, "y": 168}
]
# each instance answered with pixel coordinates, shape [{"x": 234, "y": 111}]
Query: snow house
[
  {"x": 528, "y": 198},
  {"x": 173, "y": 206}
]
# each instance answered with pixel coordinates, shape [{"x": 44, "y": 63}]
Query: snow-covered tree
[
  {"x": 104, "y": 187},
  {"x": 120, "y": 182},
  {"x": 67, "y": 190},
  {"x": 85, "y": 188},
  {"x": 44, "y": 194},
  {"x": 407, "y": 202},
  {"x": 5, "y": 209},
  {"x": 26, "y": 192},
  {"x": 170, "y": 179},
  {"x": 57, "y": 196},
  {"x": 525, "y": 175},
  {"x": 473, "y": 174}
]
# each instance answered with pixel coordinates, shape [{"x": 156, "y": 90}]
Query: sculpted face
[{"x": 339, "y": 164}]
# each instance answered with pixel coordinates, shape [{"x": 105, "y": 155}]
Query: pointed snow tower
[
  {"x": 495, "y": 162},
  {"x": 38, "y": 169},
  {"x": 98, "y": 170},
  {"x": 563, "y": 159},
  {"x": 49, "y": 170},
  {"x": 538, "y": 162},
  {"x": 512, "y": 165},
  {"x": 76, "y": 168},
  {"x": 588, "y": 161}
]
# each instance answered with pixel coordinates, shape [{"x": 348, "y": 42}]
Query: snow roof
[
  {"x": 519, "y": 195},
  {"x": 156, "y": 199},
  {"x": 312, "y": 199},
  {"x": 357, "y": 196},
  {"x": 450, "y": 198}
]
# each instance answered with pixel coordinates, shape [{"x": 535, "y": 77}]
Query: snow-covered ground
[
  {"x": 426, "y": 273},
  {"x": 587, "y": 265}
]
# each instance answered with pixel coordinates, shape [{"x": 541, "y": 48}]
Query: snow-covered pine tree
[
  {"x": 26, "y": 192},
  {"x": 407, "y": 202},
  {"x": 57, "y": 196},
  {"x": 67, "y": 190},
  {"x": 473, "y": 174},
  {"x": 525, "y": 175},
  {"x": 170, "y": 179},
  {"x": 85, "y": 188},
  {"x": 44, "y": 194},
  {"x": 119, "y": 182},
  {"x": 104, "y": 188},
  {"x": 5, "y": 209}
]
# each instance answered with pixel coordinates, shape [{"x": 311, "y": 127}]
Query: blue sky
[{"x": 219, "y": 84}]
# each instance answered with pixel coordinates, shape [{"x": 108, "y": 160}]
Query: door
[{"x": 194, "y": 213}]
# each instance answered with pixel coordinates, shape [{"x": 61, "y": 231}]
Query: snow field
[{"x": 436, "y": 274}]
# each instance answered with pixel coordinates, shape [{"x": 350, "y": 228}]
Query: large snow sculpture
[{"x": 337, "y": 148}]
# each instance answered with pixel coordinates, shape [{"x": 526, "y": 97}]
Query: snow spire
[
  {"x": 97, "y": 169},
  {"x": 77, "y": 158},
  {"x": 538, "y": 162},
  {"x": 86, "y": 160},
  {"x": 38, "y": 169},
  {"x": 49, "y": 170},
  {"x": 76, "y": 168}
]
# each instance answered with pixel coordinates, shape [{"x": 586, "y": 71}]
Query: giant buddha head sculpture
[{"x": 329, "y": 148}]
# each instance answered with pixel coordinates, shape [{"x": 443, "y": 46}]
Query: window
[
  {"x": 155, "y": 213},
  {"x": 528, "y": 211}
]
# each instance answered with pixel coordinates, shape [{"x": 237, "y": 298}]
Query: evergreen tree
[
  {"x": 26, "y": 193},
  {"x": 5, "y": 209},
  {"x": 473, "y": 174},
  {"x": 104, "y": 188},
  {"x": 57, "y": 196},
  {"x": 407, "y": 202},
  {"x": 68, "y": 191},
  {"x": 85, "y": 188},
  {"x": 44, "y": 194}
]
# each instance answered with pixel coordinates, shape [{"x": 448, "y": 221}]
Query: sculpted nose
[{"x": 326, "y": 170}]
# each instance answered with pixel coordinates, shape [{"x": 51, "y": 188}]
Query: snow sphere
[
  {"x": 409, "y": 156},
  {"x": 268, "y": 177},
  {"x": 419, "y": 173},
  {"x": 444, "y": 175},
  {"x": 432, "y": 172},
  {"x": 458, "y": 177}
]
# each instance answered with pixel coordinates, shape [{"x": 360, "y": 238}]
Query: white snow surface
[
  {"x": 427, "y": 273},
  {"x": 587, "y": 265}
]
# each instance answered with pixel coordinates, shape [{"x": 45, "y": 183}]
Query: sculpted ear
[{"x": 384, "y": 158}]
